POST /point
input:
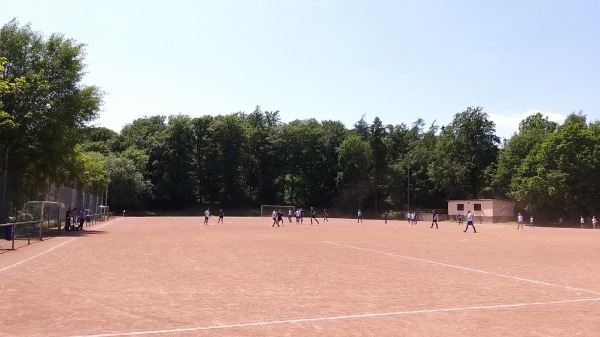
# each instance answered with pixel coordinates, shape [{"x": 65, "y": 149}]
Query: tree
[
  {"x": 204, "y": 168},
  {"x": 173, "y": 165},
  {"x": 561, "y": 174},
  {"x": 532, "y": 132},
  {"x": 52, "y": 106},
  {"x": 355, "y": 163},
  {"x": 464, "y": 150},
  {"x": 228, "y": 135},
  {"x": 92, "y": 175},
  {"x": 332, "y": 135},
  {"x": 377, "y": 134},
  {"x": 127, "y": 185},
  {"x": 7, "y": 86},
  {"x": 263, "y": 167}
]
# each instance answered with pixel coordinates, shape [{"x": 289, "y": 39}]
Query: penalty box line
[
  {"x": 463, "y": 268},
  {"x": 335, "y": 318}
]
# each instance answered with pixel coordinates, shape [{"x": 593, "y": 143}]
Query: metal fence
[
  {"x": 16, "y": 193},
  {"x": 19, "y": 225}
]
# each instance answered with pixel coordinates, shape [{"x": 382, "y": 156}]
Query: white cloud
[{"x": 508, "y": 124}]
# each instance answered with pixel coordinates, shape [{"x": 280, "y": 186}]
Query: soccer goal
[
  {"x": 39, "y": 216},
  {"x": 103, "y": 213},
  {"x": 267, "y": 210}
]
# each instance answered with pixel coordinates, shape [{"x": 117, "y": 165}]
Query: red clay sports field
[{"x": 172, "y": 276}]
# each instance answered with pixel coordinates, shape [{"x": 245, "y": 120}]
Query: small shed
[{"x": 484, "y": 210}]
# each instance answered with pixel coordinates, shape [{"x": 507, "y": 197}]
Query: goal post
[
  {"x": 39, "y": 216},
  {"x": 267, "y": 210}
]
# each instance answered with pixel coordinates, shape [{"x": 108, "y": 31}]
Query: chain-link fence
[{"x": 34, "y": 211}]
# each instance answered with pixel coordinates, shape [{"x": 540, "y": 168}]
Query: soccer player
[
  {"x": 581, "y": 221},
  {"x": 206, "y": 216},
  {"x": 68, "y": 220},
  {"x": 81, "y": 219},
  {"x": 221, "y": 214},
  {"x": 519, "y": 221},
  {"x": 290, "y": 215},
  {"x": 434, "y": 220},
  {"x": 459, "y": 218},
  {"x": 470, "y": 222},
  {"x": 386, "y": 214},
  {"x": 594, "y": 221},
  {"x": 298, "y": 215},
  {"x": 531, "y": 221},
  {"x": 313, "y": 215},
  {"x": 301, "y": 215},
  {"x": 274, "y": 216},
  {"x": 325, "y": 215},
  {"x": 279, "y": 217},
  {"x": 359, "y": 214}
]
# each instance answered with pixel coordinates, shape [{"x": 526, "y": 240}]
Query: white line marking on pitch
[
  {"x": 47, "y": 251},
  {"x": 334, "y": 318},
  {"x": 464, "y": 268}
]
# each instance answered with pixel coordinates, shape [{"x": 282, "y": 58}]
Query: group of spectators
[{"x": 78, "y": 218}]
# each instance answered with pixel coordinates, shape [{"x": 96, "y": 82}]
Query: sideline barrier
[{"x": 39, "y": 229}]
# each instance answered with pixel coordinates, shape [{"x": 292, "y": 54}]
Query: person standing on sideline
[
  {"x": 531, "y": 221},
  {"x": 221, "y": 214},
  {"x": 519, "y": 221},
  {"x": 470, "y": 222},
  {"x": 81, "y": 219},
  {"x": 582, "y": 221},
  {"x": 313, "y": 215},
  {"x": 206, "y": 216},
  {"x": 274, "y": 216},
  {"x": 594, "y": 221},
  {"x": 68, "y": 220},
  {"x": 386, "y": 215},
  {"x": 459, "y": 219},
  {"x": 325, "y": 215},
  {"x": 359, "y": 216},
  {"x": 434, "y": 220}
]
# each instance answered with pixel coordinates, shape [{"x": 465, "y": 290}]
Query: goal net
[
  {"x": 267, "y": 210},
  {"x": 39, "y": 216}
]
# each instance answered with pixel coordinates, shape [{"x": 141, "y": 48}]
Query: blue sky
[{"x": 336, "y": 59}]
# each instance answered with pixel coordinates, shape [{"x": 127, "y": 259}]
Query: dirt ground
[{"x": 173, "y": 276}]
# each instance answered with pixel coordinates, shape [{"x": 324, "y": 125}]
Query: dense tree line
[{"x": 249, "y": 159}]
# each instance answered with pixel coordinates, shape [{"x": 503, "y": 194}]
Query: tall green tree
[
  {"x": 127, "y": 188},
  {"x": 228, "y": 134},
  {"x": 173, "y": 165},
  {"x": 561, "y": 174},
  {"x": 355, "y": 164},
  {"x": 263, "y": 159},
  {"x": 52, "y": 107},
  {"x": 377, "y": 135},
  {"x": 205, "y": 170},
  {"x": 532, "y": 132},
  {"x": 466, "y": 148}
]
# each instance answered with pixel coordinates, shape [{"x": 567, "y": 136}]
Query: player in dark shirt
[{"x": 313, "y": 215}]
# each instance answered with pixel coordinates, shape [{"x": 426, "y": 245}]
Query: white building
[{"x": 484, "y": 210}]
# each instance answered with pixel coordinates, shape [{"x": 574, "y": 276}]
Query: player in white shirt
[
  {"x": 519, "y": 221},
  {"x": 470, "y": 222},
  {"x": 206, "y": 216}
]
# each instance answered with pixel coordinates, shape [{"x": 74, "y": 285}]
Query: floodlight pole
[{"x": 408, "y": 189}]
